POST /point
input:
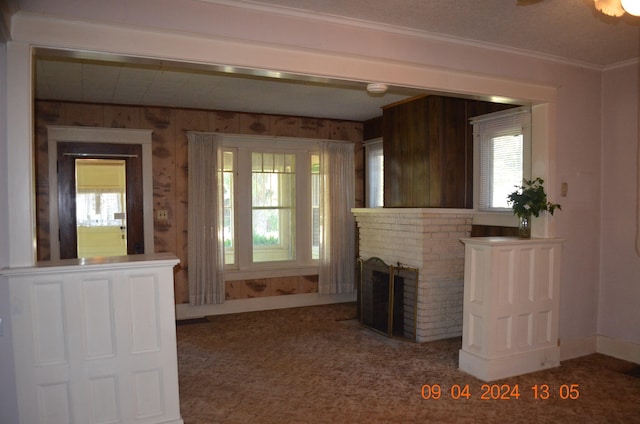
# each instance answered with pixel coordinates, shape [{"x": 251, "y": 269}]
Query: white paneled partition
[
  {"x": 511, "y": 304},
  {"x": 94, "y": 340}
]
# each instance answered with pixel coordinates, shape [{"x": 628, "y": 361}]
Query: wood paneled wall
[
  {"x": 170, "y": 166},
  {"x": 428, "y": 151},
  {"x": 493, "y": 231}
]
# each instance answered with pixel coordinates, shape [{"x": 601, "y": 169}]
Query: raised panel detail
[
  {"x": 105, "y": 408},
  {"x": 98, "y": 320},
  {"x": 526, "y": 275},
  {"x": 476, "y": 270},
  {"x": 505, "y": 277},
  {"x": 544, "y": 274},
  {"x": 503, "y": 334},
  {"x": 148, "y": 392},
  {"x": 53, "y": 403},
  {"x": 544, "y": 327},
  {"x": 475, "y": 332},
  {"x": 48, "y": 317},
  {"x": 525, "y": 330},
  {"x": 145, "y": 336}
]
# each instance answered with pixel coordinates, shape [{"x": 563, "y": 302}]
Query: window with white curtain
[
  {"x": 271, "y": 204},
  {"x": 502, "y": 151}
]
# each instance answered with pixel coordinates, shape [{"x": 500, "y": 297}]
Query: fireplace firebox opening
[{"x": 387, "y": 298}]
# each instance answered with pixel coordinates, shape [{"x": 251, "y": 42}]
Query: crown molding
[{"x": 382, "y": 27}]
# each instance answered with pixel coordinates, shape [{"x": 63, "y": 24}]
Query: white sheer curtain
[
  {"x": 337, "y": 246},
  {"x": 205, "y": 215}
]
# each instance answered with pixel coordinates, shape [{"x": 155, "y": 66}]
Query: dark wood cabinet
[{"x": 428, "y": 151}]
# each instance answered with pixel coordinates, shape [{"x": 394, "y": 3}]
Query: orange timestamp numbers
[
  {"x": 564, "y": 391},
  {"x": 500, "y": 392}
]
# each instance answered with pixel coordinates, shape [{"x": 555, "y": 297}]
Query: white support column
[{"x": 20, "y": 153}]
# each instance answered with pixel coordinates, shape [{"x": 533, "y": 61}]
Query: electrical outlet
[{"x": 162, "y": 215}]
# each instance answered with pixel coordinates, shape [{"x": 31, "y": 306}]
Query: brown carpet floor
[{"x": 317, "y": 365}]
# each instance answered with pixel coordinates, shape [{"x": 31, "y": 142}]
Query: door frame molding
[{"x": 57, "y": 134}]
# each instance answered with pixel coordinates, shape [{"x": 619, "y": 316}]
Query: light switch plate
[{"x": 564, "y": 189}]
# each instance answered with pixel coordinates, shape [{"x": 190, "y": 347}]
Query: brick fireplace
[{"x": 427, "y": 239}]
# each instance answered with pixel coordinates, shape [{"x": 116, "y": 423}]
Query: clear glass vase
[{"x": 524, "y": 227}]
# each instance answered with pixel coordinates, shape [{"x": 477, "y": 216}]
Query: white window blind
[{"x": 502, "y": 145}]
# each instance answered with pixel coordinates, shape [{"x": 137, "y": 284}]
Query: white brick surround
[{"x": 427, "y": 239}]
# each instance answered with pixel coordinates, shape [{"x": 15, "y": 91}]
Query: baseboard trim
[
  {"x": 628, "y": 351},
  {"x": 491, "y": 369},
  {"x": 186, "y": 311},
  {"x": 620, "y": 349},
  {"x": 570, "y": 349}
]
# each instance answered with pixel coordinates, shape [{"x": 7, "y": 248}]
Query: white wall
[
  {"x": 4, "y": 206},
  {"x": 578, "y": 165},
  {"x": 619, "y": 301},
  {"x": 8, "y": 401}
]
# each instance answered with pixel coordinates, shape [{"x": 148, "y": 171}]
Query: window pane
[
  {"x": 272, "y": 201},
  {"x": 502, "y": 144},
  {"x": 507, "y": 168},
  {"x": 228, "y": 161},
  {"x": 256, "y": 162},
  {"x": 375, "y": 175},
  {"x": 279, "y": 163},
  {"x": 315, "y": 206},
  {"x": 268, "y": 226},
  {"x": 99, "y": 209},
  {"x": 267, "y": 162},
  {"x": 229, "y": 217},
  {"x": 272, "y": 189},
  {"x": 290, "y": 163}
]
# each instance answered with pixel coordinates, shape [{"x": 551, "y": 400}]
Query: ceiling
[
  {"x": 567, "y": 30},
  {"x": 178, "y": 85}
]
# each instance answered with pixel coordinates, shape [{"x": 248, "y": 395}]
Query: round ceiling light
[
  {"x": 632, "y": 7},
  {"x": 377, "y": 88},
  {"x": 609, "y": 7}
]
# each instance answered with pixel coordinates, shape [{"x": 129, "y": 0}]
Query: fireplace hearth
[{"x": 387, "y": 298}]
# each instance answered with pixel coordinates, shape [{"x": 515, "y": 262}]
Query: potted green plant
[{"x": 530, "y": 200}]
